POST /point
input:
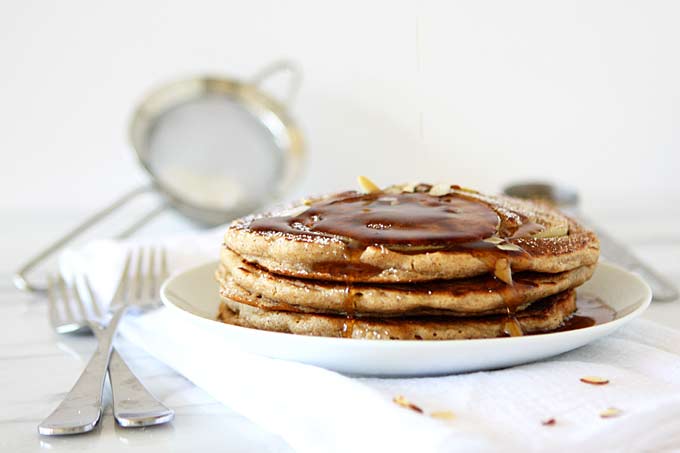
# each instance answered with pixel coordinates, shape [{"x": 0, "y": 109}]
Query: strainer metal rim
[{"x": 265, "y": 109}]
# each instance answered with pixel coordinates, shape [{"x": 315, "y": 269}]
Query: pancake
[
  {"x": 411, "y": 234},
  {"x": 545, "y": 315},
  {"x": 252, "y": 285}
]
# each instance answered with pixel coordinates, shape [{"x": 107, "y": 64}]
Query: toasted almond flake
[
  {"x": 440, "y": 190},
  {"x": 464, "y": 189},
  {"x": 393, "y": 190},
  {"x": 307, "y": 202},
  {"x": 495, "y": 240},
  {"x": 507, "y": 246},
  {"x": 443, "y": 415},
  {"x": 403, "y": 402},
  {"x": 610, "y": 412},
  {"x": 367, "y": 186},
  {"x": 549, "y": 422},
  {"x": 594, "y": 380},
  {"x": 559, "y": 230},
  {"x": 396, "y": 189},
  {"x": 502, "y": 271}
]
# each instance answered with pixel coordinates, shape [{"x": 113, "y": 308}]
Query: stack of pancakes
[{"x": 406, "y": 262}]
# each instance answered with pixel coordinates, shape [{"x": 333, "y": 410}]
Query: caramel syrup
[
  {"x": 405, "y": 219},
  {"x": 513, "y": 295},
  {"x": 590, "y": 311},
  {"x": 349, "y": 306},
  {"x": 407, "y": 223}
]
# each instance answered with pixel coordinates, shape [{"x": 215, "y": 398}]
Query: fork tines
[
  {"x": 141, "y": 281},
  {"x": 67, "y": 311}
]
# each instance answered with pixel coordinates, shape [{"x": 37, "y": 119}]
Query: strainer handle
[
  {"x": 21, "y": 279},
  {"x": 282, "y": 66}
]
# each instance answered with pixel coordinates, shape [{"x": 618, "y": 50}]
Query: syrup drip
[
  {"x": 511, "y": 326},
  {"x": 349, "y": 306}
]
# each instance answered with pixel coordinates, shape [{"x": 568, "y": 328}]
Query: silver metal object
[
  {"x": 81, "y": 410},
  {"x": 214, "y": 148},
  {"x": 567, "y": 200},
  {"x": 71, "y": 312},
  {"x": 66, "y": 309}
]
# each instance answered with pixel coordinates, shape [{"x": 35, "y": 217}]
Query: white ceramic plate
[{"x": 193, "y": 294}]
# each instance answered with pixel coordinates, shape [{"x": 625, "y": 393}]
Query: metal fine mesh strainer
[{"x": 214, "y": 147}]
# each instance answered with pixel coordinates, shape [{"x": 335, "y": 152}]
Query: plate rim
[{"x": 554, "y": 336}]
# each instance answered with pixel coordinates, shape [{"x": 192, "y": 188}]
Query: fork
[{"x": 133, "y": 405}]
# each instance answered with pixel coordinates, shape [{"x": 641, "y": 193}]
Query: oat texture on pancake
[{"x": 354, "y": 262}]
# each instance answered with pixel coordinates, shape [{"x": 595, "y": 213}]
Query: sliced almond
[
  {"x": 509, "y": 247},
  {"x": 393, "y": 190},
  {"x": 495, "y": 240},
  {"x": 549, "y": 422},
  {"x": 594, "y": 380},
  {"x": 403, "y": 402},
  {"x": 440, "y": 190},
  {"x": 610, "y": 412},
  {"x": 464, "y": 189},
  {"x": 502, "y": 271},
  {"x": 400, "y": 188},
  {"x": 554, "y": 231},
  {"x": 443, "y": 415},
  {"x": 367, "y": 186}
]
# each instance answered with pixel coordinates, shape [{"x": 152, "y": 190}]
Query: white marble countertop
[{"x": 38, "y": 366}]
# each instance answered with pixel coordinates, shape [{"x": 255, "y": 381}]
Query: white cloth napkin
[{"x": 317, "y": 410}]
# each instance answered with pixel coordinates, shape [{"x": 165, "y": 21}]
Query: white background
[{"x": 476, "y": 93}]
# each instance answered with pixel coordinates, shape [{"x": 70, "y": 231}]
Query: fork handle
[
  {"x": 133, "y": 404},
  {"x": 80, "y": 411}
]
